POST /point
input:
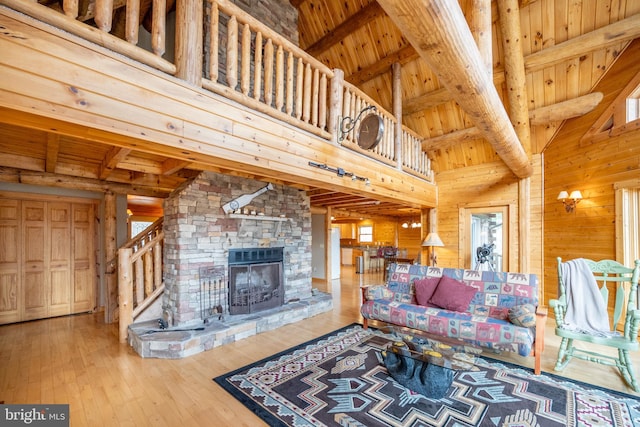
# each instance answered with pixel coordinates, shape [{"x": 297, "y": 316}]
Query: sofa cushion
[
  {"x": 523, "y": 315},
  {"x": 378, "y": 292},
  {"x": 452, "y": 294},
  {"x": 425, "y": 288}
]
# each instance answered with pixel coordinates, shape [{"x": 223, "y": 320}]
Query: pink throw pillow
[
  {"x": 425, "y": 289},
  {"x": 452, "y": 294}
]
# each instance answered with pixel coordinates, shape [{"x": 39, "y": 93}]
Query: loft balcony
[{"x": 213, "y": 89}]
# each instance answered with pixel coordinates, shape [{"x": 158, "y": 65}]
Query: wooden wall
[
  {"x": 488, "y": 185},
  {"x": 593, "y": 168}
]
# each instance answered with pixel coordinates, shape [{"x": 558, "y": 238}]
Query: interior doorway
[{"x": 484, "y": 238}]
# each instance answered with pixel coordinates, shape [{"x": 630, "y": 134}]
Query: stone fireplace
[
  {"x": 199, "y": 234},
  {"x": 263, "y": 248}
]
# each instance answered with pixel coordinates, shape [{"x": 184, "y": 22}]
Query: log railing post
[
  {"x": 189, "y": 41},
  {"x": 335, "y": 104},
  {"x": 125, "y": 291}
]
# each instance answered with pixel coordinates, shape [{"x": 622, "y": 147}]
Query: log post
[
  {"x": 110, "y": 254},
  {"x": 335, "y": 104},
  {"x": 397, "y": 112},
  {"x": 189, "y": 48},
  {"x": 125, "y": 292}
]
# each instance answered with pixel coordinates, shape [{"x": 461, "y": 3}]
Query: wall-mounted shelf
[{"x": 259, "y": 217}]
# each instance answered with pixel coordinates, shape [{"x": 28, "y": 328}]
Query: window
[
  {"x": 627, "y": 225},
  {"x": 633, "y": 105},
  {"x": 365, "y": 233}
]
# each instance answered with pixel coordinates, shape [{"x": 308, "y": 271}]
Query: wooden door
[
  {"x": 58, "y": 244},
  {"x": 10, "y": 260},
  {"x": 35, "y": 286},
  {"x": 47, "y": 258},
  {"x": 83, "y": 270}
]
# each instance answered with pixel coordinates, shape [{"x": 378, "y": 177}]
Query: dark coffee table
[{"x": 426, "y": 363}]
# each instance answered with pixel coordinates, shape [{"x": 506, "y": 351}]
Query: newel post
[
  {"x": 189, "y": 40},
  {"x": 125, "y": 291},
  {"x": 335, "y": 104}
]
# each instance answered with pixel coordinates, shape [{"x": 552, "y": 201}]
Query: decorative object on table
[
  {"x": 581, "y": 314},
  {"x": 424, "y": 363},
  {"x": 338, "y": 379}
]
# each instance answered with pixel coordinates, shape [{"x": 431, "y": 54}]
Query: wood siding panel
[
  {"x": 593, "y": 168},
  {"x": 491, "y": 184}
]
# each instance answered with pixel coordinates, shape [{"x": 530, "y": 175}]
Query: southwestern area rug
[{"x": 339, "y": 380}]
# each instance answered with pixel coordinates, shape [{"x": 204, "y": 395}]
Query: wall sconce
[
  {"x": 433, "y": 240},
  {"x": 570, "y": 200}
]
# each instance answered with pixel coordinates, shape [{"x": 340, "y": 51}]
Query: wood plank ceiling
[{"x": 566, "y": 48}]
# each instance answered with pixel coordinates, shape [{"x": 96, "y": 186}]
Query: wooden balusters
[
  {"x": 158, "y": 27},
  {"x": 245, "y": 60},
  {"x": 70, "y": 8},
  {"x": 132, "y": 21}
]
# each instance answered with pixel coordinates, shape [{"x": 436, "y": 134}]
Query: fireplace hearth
[{"x": 255, "y": 280}]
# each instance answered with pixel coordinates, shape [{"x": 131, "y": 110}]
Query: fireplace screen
[{"x": 255, "y": 280}]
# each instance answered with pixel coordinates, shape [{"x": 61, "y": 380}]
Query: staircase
[{"x": 139, "y": 275}]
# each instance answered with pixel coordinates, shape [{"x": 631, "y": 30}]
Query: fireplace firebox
[{"x": 255, "y": 279}]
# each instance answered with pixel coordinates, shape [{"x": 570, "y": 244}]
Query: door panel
[
  {"x": 35, "y": 286},
  {"x": 83, "y": 258},
  {"x": 59, "y": 259},
  {"x": 9, "y": 260}
]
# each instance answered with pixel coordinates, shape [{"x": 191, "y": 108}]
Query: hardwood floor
[{"x": 78, "y": 360}]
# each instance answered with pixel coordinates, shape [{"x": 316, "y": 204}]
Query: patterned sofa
[{"x": 503, "y": 312}]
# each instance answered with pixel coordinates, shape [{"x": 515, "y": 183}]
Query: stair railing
[{"x": 139, "y": 274}]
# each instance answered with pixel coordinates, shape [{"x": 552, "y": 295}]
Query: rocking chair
[{"x": 625, "y": 318}]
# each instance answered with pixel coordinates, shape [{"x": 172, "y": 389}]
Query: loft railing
[
  {"x": 242, "y": 59},
  {"x": 139, "y": 274}
]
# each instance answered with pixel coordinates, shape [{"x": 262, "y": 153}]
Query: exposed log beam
[
  {"x": 621, "y": 31},
  {"x": 171, "y": 166},
  {"x": 540, "y": 116},
  {"x": 76, "y": 183},
  {"x": 480, "y": 25},
  {"x": 565, "y": 110},
  {"x": 53, "y": 147},
  {"x": 575, "y": 47},
  {"x": 359, "y": 19},
  {"x": 111, "y": 160},
  {"x": 402, "y": 56},
  {"x": 514, "y": 71},
  {"x": 439, "y": 32}
]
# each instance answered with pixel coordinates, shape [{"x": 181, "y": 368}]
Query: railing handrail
[
  {"x": 153, "y": 229},
  {"x": 314, "y": 111}
]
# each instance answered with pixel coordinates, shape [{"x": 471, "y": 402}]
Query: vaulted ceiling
[{"x": 541, "y": 58}]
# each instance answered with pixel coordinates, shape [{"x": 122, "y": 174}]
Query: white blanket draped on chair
[{"x": 586, "y": 310}]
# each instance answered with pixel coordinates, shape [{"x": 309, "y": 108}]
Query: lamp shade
[
  {"x": 432, "y": 239},
  {"x": 563, "y": 195},
  {"x": 575, "y": 195}
]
